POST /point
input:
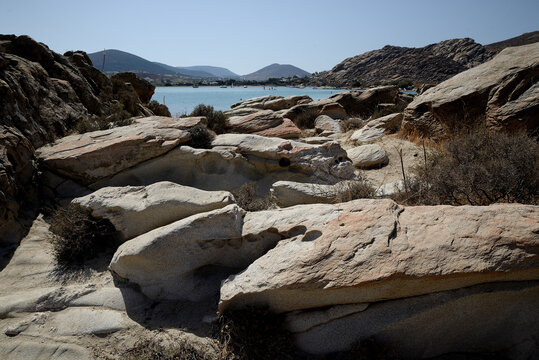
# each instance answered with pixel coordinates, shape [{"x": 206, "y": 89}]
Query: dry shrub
[
  {"x": 478, "y": 168},
  {"x": 255, "y": 333},
  {"x": 247, "y": 199},
  {"x": 216, "y": 119},
  {"x": 305, "y": 117},
  {"x": 353, "y": 124},
  {"x": 78, "y": 236},
  {"x": 201, "y": 137},
  {"x": 154, "y": 350},
  {"x": 354, "y": 189}
]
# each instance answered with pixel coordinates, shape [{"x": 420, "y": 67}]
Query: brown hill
[
  {"x": 524, "y": 39},
  {"x": 432, "y": 63}
]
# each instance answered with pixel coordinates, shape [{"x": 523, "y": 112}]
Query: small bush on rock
[
  {"x": 201, "y": 137},
  {"x": 246, "y": 198},
  {"x": 153, "y": 350},
  {"x": 159, "y": 109},
  {"x": 216, "y": 119},
  {"x": 354, "y": 189},
  {"x": 77, "y": 236},
  {"x": 305, "y": 119}
]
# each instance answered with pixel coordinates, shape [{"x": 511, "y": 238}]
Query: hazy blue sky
[{"x": 247, "y": 35}]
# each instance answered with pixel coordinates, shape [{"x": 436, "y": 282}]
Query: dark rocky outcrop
[
  {"x": 43, "y": 96},
  {"x": 142, "y": 87},
  {"x": 432, "y": 63},
  {"x": 502, "y": 94}
]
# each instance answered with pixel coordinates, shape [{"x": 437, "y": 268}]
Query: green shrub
[
  {"x": 117, "y": 117},
  {"x": 247, "y": 199},
  {"x": 158, "y": 109},
  {"x": 78, "y": 236},
  {"x": 478, "y": 168},
  {"x": 201, "y": 137},
  {"x": 216, "y": 119}
]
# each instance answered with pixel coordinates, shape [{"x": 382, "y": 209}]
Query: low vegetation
[
  {"x": 78, "y": 236},
  {"x": 147, "y": 349},
  {"x": 159, "y": 109},
  {"x": 305, "y": 117},
  {"x": 201, "y": 137},
  {"x": 216, "y": 118},
  {"x": 354, "y": 189},
  {"x": 352, "y": 123},
  {"x": 118, "y": 117},
  {"x": 246, "y": 198},
  {"x": 477, "y": 168}
]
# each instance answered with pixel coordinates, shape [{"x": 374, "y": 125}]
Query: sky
[{"x": 245, "y": 36}]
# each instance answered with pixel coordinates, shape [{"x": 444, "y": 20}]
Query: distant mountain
[
  {"x": 276, "y": 71},
  {"x": 214, "y": 70},
  {"x": 120, "y": 61},
  {"x": 186, "y": 71},
  {"x": 524, "y": 39}
]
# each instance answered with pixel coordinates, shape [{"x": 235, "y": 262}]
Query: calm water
[{"x": 184, "y": 99}]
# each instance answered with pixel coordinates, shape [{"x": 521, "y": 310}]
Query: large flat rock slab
[
  {"x": 134, "y": 210},
  {"x": 188, "y": 258},
  {"x": 375, "y": 250},
  {"x": 95, "y": 155}
]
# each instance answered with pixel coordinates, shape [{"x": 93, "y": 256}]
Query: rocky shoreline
[{"x": 338, "y": 269}]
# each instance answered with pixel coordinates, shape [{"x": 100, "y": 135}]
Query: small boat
[
  {"x": 223, "y": 86},
  {"x": 245, "y": 86},
  {"x": 195, "y": 85}
]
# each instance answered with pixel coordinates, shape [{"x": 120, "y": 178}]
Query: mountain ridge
[{"x": 276, "y": 71}]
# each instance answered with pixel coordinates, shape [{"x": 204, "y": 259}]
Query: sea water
[{"x": 183, "y": 99}]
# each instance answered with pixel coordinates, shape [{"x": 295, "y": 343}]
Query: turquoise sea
[{"x": 183, "y": 99}]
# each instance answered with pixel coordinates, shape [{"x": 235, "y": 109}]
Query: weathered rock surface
[
  {"x": 271, "y": 102},
  {"x": 375, "y": 250},
  {"x": 354, "y": 103},
  {"x": 92, "y": 156},
  {"x": 134, "y": 210},
  {"x": 334, "y": 111},
  {"x": 368, "y": 156},
  {"x": 486, "y": 318},
  {"x": 142, "y": 87},
  {"x": 289, "y": 193},
  {"x": 44, "y": 95},
  {"x": 258, "y": 121},
  {"x": 432, "y": 63},
  {"x": 286, "y": 130},
  {"x": 327, "y": 161},
  {"x": 503, "y": 94},
  {"x": 188, "y": 258},
  {"x": 325, "y": 123},
  {"x": 237, "y": 159}
]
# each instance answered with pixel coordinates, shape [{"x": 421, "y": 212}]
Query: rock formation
[
  {"x": 502, "y": 94},
  {"x": 44, "y": 96},
  {"x": 432, "y": 63}
]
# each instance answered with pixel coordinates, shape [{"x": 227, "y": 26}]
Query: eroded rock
[{"x": 134, "y": 210}]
